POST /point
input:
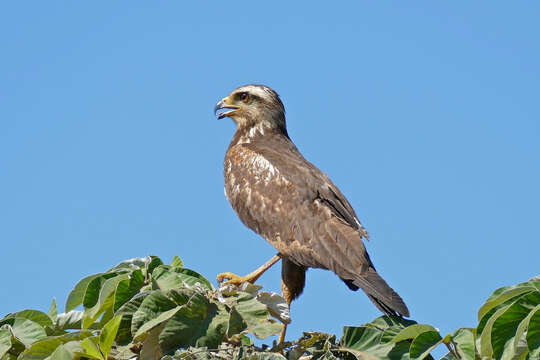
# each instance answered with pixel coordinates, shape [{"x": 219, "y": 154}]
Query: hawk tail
[
  {"x": 401, "y": 307},
  {"x": 381, "y": 294}
]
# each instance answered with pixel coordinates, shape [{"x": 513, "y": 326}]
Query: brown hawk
[{"x": 284, "y": 198}]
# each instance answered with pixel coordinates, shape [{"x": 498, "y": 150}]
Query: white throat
[{"x": 255, "y": 131}]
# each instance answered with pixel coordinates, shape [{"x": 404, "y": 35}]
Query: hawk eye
[{"x": 244, "y": 97}]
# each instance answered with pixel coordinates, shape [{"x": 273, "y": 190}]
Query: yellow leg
[
  {"x": 287, "y": 294},
  {"x": 251, "y": 277},
  {"x": 282, "y": 335}
]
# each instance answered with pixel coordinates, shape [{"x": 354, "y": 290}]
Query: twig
[{"x": 451, "y": 349}]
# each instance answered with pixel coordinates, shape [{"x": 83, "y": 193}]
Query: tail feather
[
  {"x": 397, "y": 308},
  {"x": 381, "y": 294}
]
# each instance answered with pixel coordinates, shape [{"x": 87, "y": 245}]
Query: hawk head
[{"x": 253, "y": 105}]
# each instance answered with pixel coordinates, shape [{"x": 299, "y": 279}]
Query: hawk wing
[{"x": 280, "y": 195}]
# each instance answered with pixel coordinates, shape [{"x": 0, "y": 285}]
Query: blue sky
[{"x": 425, "y": 114}]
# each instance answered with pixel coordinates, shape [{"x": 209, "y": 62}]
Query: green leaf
[
  {"x": 145, "y": 264},
  {"x": 360, "y": 338},
  {"x": 108, "y": 334},
  {"x": 151, "y": 308},
  {"x": 107, "y": 285},
  {"x": 91, "y": 348},
  {"x": 266, "y": 328},
  {"x": 251, "y": 310},
  {"x": 247, "y": 312},
  {"x": 93, "y": 290},
  {"x": 423, "y": 344},
  {"x": 246, "y": 341},
  {"x": 61, "y": 353},
  {"x": 106, "y": 291},
  {"x": 127, "y": 310},
  {"x": 128, "y": 288},
  {"x": 124, "y": 352},
  {"x": 76, "y": 295},
  {"x": 177, "y": 262},
  {"x": 391, "y": 325},
  {"x": 520, "y": 332},
  {"x": 5, "y": 341},
  {"x": 368, "y": 339},
  {"x": 502, "y": 295},
  {"x": 236, "y": 324},
  {"x": 505, "y": 326},
  {"x": 180, "y": 296},
  {"x": 162, "y": 317},
  {"x": 198, "y": 323},
  {"x": 463, "y": 340},
  {"x": 150, "y": 347},
  {"x": 387, "y": 322},
  {"x": 312, "y": 342},
  {"x": 74, "y": 346},
  {"x": 53, "y": 311},
  {"x": 533, "y": 335},
  {"x": 45, "y": 347},
  {"x": 486, "y": 349},
  {"x": 69, "y": 320},
  {"x": 412, "y": 331},
  {"x": 122, "y": 293},
  {"x": 34, "y": 315},
  {"x": 17, "y": 347},
  {"x": 26, "y": 331},
  {"x": 89, "y": 322},
  {"x": 152, "y": 263},
  {"x": 107, "y": 315},
  {"x": 166, "y": 277}
]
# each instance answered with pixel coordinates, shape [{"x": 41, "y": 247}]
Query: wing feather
[{"x": 294, "y": 206}]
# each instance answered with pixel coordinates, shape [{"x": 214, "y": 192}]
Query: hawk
[{"x": 294, "y": 206}]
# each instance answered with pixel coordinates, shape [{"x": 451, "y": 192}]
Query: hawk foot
[
  {"x": 234, "y": 279},
  {"x": 251, "y": 277}
]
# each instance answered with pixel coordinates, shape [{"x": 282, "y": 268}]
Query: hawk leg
[
  {"x": 293, "y": 279},
  {"x": 251, "y": 277}
]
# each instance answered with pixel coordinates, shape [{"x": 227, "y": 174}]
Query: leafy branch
[{"x": 146, "y": 310}]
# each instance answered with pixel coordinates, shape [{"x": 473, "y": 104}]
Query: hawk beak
[{"x": 224, "y": 104}]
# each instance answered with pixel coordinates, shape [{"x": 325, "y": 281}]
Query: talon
[
  {"x": 251, "y": 277},
  {"x": 223, "y": 276},
  {"x": 233, "y": 279}
]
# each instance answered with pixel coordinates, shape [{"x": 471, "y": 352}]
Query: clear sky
[{"x": 426, "y": 115}]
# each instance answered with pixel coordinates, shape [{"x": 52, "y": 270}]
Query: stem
[{"x": 451, "y": 349}]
